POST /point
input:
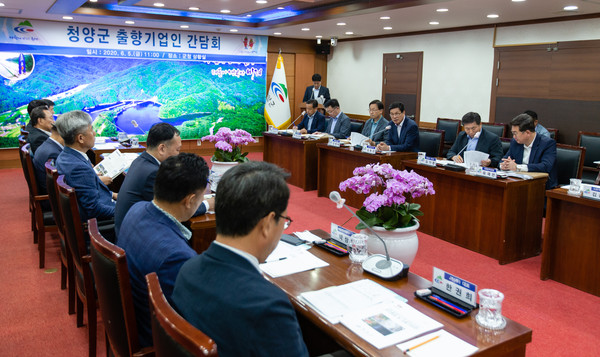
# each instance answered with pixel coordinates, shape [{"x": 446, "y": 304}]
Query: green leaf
[
  {"x": 414, "y": 206},
  {"x": 405, "y": 220},
  {"x": 392, "y": 223}
]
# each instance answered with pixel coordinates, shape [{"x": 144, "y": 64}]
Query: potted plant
[
  {"x": 228, "y": 151},
  {"x": 388, "y": 208}
]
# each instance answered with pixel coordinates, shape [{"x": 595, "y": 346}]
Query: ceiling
[{"x": 289, "y": 18}]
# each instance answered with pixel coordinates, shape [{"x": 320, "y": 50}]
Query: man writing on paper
[
  {"x": 474, "y": 137},
  {"x": 313, "y": 119},
  {"x": 153, "y": 237},
  {"x": 530, "y": 151},
  {"x": 339, "y": 123},
  {"x": 222, "y": 292},
  {"x": 374, "y": 128},
  {"x": 403, "y": 135},
  {"x": 163, "y": 142}
]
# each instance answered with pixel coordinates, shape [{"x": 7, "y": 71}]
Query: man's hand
[
  {"x": 106, "y": 180},
  {"x": 114, "y": 196},
  {"x": 383, "y": 146},
  {"x": 508, "y": 164},
  {"x": 303, "y": 131},
  {"x": 211, "y": 203},
  {"x": 486, "y": 163},
  {"x": 458, "y": 159}
]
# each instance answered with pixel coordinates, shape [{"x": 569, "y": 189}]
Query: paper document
[
  {"x": 106, "y": 145},
  {"x": 357, "y": 139},
  {"x": 475, "y": 156},
  {"x": 388, "y": 323},
  {"x": 287, "y": 259},
  {"x": 113, "y": 164},
  {"x": 439, "y": 343},
  {"x": 335, "y": 301},
  {"x": 307, "y": 236}
]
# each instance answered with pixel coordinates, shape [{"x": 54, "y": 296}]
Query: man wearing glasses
[
  {"x": 222, "y": 292},
  {"x": 376, "y": 128},
  {"x": 339, "y": 123},
  {"x": 474, "y": 137}
]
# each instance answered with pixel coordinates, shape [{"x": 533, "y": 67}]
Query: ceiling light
[
  {"x": 276, "y": 33},
  {"x": 225, "y": 11},
  {"x": 305, "y": 29},
  {"x": 387, "y": 28},
  {"x": 129, "y": 22},
  {"x": 184, "y": 26},
  {"x": 93, "y": 0},
  {"x": 341, "y": 24},
  {"x": 318, "y": 41},
  {"x": 570, "y": 8},
  {"x": 261, "y": 1},
  {"x": 280, "y": 8},
  {"x": 518, "y": 0},
  {"x": 248, "y": 15},
  {"x": 493, "y": 16},
  {"x": 319, "y": 36},
  {"x": 194, "y": 8},
  {"x": 349, "y": 33},
  {"x": 233, "y": 30},
  {"x": 442, "y": 10},
  {"x": 159, "y": 4},
  {"x": 67, "y": 17},
  {"x": 384, "y": 18},
  {"x": 434, "y": 23},
  {"x": 1, "y": 4}
]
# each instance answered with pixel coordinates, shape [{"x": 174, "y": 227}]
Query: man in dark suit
[
  {"x": 530, "y": 151},
  {"x": 316, "y": 90},
  {"x": 153, "y": 237},
  {"x": 49, "y": 150},
  {"x": 313, "y": 119},
  {"x": 474, "y": 137},
  {"x": 339, "y": 123},
  {"x": 94, "y": 198},
  {"x": 40, "y": 123},
  {"x": 163, "y": 142},
  {"x": 375, "y": 127},
  {"x": 222, "y": 292},
  {"x": 404, "y": 134}
]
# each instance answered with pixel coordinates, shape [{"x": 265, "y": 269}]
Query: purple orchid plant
[
  {"x": 390, "y": 205},
  {"x": 228, "y": 144}
]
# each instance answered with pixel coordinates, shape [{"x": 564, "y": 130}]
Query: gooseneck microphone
[
  {"x": 474, "y": 137},
  {"x": 135, "y": 124},
  {"x": 300, "y": 116}
]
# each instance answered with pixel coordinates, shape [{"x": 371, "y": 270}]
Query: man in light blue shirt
[
  {"x": 375, "y": 127},
  {"x": 539, "y": 129}
]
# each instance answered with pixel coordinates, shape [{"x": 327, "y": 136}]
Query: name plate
[
  {"x": 334, "y": 142},
  {"x": 273, "y": 129},
  {"x": 341, "y": 234},
  {"x": 297, "y": 135},
  {"x": 369, "y": 149},
  {"x": 426, "y": 160},
  {"x": 455, "y": 286},
  {"x": 487, "y": 172},
  {"x": 591, "y": 191}
]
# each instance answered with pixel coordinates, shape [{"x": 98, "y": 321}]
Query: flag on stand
[{"x": 277, "y": 106}]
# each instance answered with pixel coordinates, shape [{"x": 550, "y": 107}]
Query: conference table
[
  {"x": 204, "y": 231},
  {"x": 298, "y": 156},
  {"x": 572, "y": 241},
  {"x": 500, "y": 218},
  {"x": 511, "y": 341},
  {"x": 337, "y": 164}
]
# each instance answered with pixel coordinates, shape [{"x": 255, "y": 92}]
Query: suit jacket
[
  {"x": 318, "y": 123},
  {"x": 139, "y": 186},
  {"x": 380, "y": 132},
  {"x": 409, "y": 136},
  {"x": 541, "y": 159},
  {"x": 308, "y": 93},
  {"x": 226, "y": 297},
  {"x": 153, "y": 243},
  {"x": 342, "y": 127},
  {"x": 488, "y": 142},
  {"x": 93, "y": 197},
  {"x": 36, "y": 137},
  {"x": 48, "y": 150}
]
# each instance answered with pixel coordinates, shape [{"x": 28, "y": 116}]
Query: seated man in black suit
[
  {"x": 339, "y": 124},
  {"x": 474, "y": 137},
  {"x": 313, "y": 119},
  {"x": 316, "y": 90},
  {"x": 41, "y": 121},
  {"x": 530, "y": 151},
  {"x": 49, "y": 150},
  {"x": 403, "y": 134},
  {"x": 163, "y": 142},
  {"x": 375, "y": 127},
  {"x": 222, "y": 292}
]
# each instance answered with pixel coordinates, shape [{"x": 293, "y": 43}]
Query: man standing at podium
[
  {"x": 313, "y": 119},
  {"x": 403, "y": 135},
  {"x": 474, "y": 137},
  {"x": 316, "y": 90}
]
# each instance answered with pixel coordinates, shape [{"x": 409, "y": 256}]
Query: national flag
[{"x": 277, "y": 106}]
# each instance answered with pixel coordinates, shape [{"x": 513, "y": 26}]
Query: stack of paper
[{"x": 287, "y": 259}]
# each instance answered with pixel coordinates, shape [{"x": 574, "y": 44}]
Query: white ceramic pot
[
  {"x": 402, "y": 243},
  {"x": 216, "y": 172}
]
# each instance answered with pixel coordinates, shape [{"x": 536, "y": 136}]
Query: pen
[
  {"x": 335, "y": 245},
  {"x": 421, "y": 344},
  {"x": 284, "y": 258},
  {"x": 447, "y": 304}
]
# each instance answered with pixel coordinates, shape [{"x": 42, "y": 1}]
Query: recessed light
[
  {"x": 67, "y": 17},
  {"x": 1, "y": 4},
  {"x": 93, "y": 0},
  {"x": 184, "y": 26},
  {"x": 225, "y": 11},
  {"x": 570, "y": 8},
  {"x": 384, "y": 18},
  {"x": 129, "y": 22},
  {"x": 233, "y": 30},
  {"x": 442, "y": 10},
  {"x": 305, "y": 29},
  {"x": 434, "y": 23},
  {"x": 341, "y": 24},
  {"x": 493, "y": 16},
  {"x": 261, "y": 1},
  {"x": 194, "y": 8},
  {"x": 319, "y": 36},
  {"x": 276, "y": 33},
  {"x": 159, "y": 4},
  {"x": 349, "y": 33},
  {"x": 280, "y": 8},
  {"x": 387, "y": 28},
  {"x": 518, "y": 0}
]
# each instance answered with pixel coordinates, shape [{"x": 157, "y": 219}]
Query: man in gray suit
[
  {"x": 339, "y": 123},
  {"x": 375, "y": 127}
]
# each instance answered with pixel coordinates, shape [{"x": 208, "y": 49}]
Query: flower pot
[
  {"x": 402, "y": 243},
  {"x": 216, "y": 172}
]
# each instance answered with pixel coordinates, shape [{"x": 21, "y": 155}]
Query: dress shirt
[
  {"x": 539, "y": 129},
  {"x": 59, "y": 144},
  {"x": 472, "y": 144},
  {"x": 310, "y": 120},
  {"x": 84, "y": 155},
  {"x": 399, "y": 127},
  {"x": 249, "y": 257},
  {"x": 333, "y": 122},
  {"x": 316, "y": 92},
  {"x": 373, "y": 127},
  {"x": 526, "y": 153}
]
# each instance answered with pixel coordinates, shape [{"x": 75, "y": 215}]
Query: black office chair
[
  {"x": 431, "y": 141},
  {"x": 569, "y": 162},
  {"x": 356, "y": 125},
  {"x": 496, "y": 128},
  {"x": 451, "y": 128},
  {"x": 505, "y": 145},
  {"x": 591, "y": 142}
]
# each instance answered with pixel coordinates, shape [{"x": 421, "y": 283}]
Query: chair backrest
[
  {"x": 591, "y": 142},
  {"x": 22, "y": 140},
  {"x": 113, "y": 286},
  {"x": 172, "y": 334},
  {"x": 29, "y": 170},
  {"x": 451, "y": 129},
  {"x": 569, "y": 162},
  {"x": 73, "y": 229},
  {"x": 553, "y": 133},
  {"x": 356, "y": 125},
  {"x": 505, "y": 145},
  {"x": 24, "y": 133},
  {"x": 496, "y": 128},
  {"x": 51, "y": 176},
  {"x": 431, "y": 141}
]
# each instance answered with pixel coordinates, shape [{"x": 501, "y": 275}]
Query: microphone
[
  {"x": 301, "y": 115},
  {"x": 474, "y": 137},
  {"x": 134, "y": 123},
  {"x": 396, "y": 268},
  {"x": 380, "y": 131}
]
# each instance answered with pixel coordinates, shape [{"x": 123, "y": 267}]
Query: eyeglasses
[{"x": 288, "y": 221}]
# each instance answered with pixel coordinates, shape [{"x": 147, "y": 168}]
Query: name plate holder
[
  {"x": 368, "y": 149},
  {"x": 450, "y": 293},
  {"x": 487, "y": 172},
  {"x": 273, "y": 130},
  {"x": 341, "y": 234},
  {"x": 334, "y": 142},
  {"x": 427, "y": 161},
  {"x": 591, "y": 192},
  {"x": 297, "y": 135}
]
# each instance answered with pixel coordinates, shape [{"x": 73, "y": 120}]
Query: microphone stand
[{"x": 300, "y": 116}]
